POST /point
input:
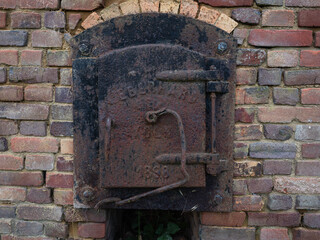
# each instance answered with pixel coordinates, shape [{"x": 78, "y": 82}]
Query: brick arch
[{"x": 188, "y": 8}]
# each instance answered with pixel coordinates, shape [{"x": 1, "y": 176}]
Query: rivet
[
  {"x": 222, "y": 47},
  {"x": 84, "y": 49}
]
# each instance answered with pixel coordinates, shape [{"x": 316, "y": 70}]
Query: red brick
[
  {"x": 58, "y": 58},
  {"x": 3, "y": 19},
  {"x": 310, "y": 58},
  {"x": 246, "y": 15},
  {"x": 308, "y": 168},
  {"x": 260, "y": 185},
  {"x": 21, "y": 178},
  {"x": 247, "y": 169},
  {"x": 39, "y": 162},
  {"x": 274, "y": 234},
  {"x": 310, "y": 96},
  {"x": 38, "y": 93},
  {"x": 12, "y": 193},
  {"x": 286, "y": 96},
  {"x": 46, "y": 38},
  {"x": 63, "y": 197},
  {"x": 67, "y": 146},
  {"x": 33, "y": 75},
  {"x": 84, "y": 215},
  {"x": 227, "y": 3},
  {"x": 232, "y": 219},
  {"x": 61, "y": 129},
  {"x": 240, "y": 34},
  {"x": 11, "y": 38},
  {"x": 8, "y": 127},
  {"x": 39, "y": 4},
  {"x": 277, "y": 167},
  {"x": 92, "y": 230},
  {"x": 248, "y": 203},
  {"x": 246, "y": 76},
  {"x": 305, "y": 234},
  {"x": 302, "y": 77},
  {"x": 310, "y": 150},
  {"x": 244, "y": 115},
  {"x": 280, "y": 38},
  {"x": 10, "y": 162},
  {"x": 283, "y": 58},
  {"x": 306, "y": 185},
  {"x": 276, "y": 114},
  {"x": 251, "y": 57},
  {"x": 11, "y": 93},
  {"x": 248, "y": 132},
  {"x": 54, "y": 19},
  {"x": 59, "y": 180},
  {"x": 34, "y": 144},
  {"x": 317, "y": 43},
  {"x": 25, "y": 20},
  {"x": 239, "y": 186},
  {"x": 285, "y": 219},
  {"x": 33, "y": 128},
  {"x": 39, "y": 212},
  {"x": 252, "y": 95},
  {"x": 39, "y": 195},
  {"x": 87, "y": 5},
  {"x": 9, "y": 57},
  {"x": 73, "y": 20},
  {"x": 31, "y": 57},
  {"x": 64, "y": 165},
  {"x": 278, "y": 18},
  {"x": 58, "y": 230},
  {"x": 8, "y": 4},
  {"x": 311, "y": 220},
  {"x": 240, "y": 150},
  {"x": 309, "y": 18},
  {"x": 92, "y": 20},
  {"x": 308, "y": 114}
]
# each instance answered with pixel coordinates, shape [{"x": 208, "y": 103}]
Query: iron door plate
[{"x": 123, "y": 79}]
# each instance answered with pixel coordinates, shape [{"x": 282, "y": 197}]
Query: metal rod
[{"x": 213, "y": 122}]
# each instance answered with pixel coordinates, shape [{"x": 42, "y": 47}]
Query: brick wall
[{"x": 277, "y": 148}]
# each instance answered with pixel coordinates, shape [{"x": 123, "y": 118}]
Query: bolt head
[
  {"x": 84, "y": 49},
  {"x": 222, "y": 47}
]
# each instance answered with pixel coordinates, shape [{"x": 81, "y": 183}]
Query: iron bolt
[
  {"x": 218, "y": 199},
  {"x": 87, "y": 194},
  {"x": 222, "y": 47},
  {"x": 84, "y": 49}
]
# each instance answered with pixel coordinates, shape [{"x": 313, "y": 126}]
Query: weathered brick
[
  {"x": 252, "y": 95},
  {"x": 277, "y": 132},
  {"x": 31, "y": 57},
  {"x": 3, "y": 19},
  {"x": 63, "y": 95},
  {"x": 245, "y": 115},
  {"x": 33, "y": 75},
  {"x": 58, "y": 58},
  {"x": 232, "y": 219},
  {"x": 310, "y": 96},
  {"x": 246, "y": 76},
  {"x": 305, "y": 234},
  {"x": 24, "y": 111},
  {"x": 269, "y": 76},
  {"x": 309, "y": 202},
  {"x": 302, "y": 77},
  {"x": 228, "y": 3},
  {"x": 8, "y": 127},
  {"x": 188, "y": 8},
  {"x": 39, "y": 212},
  {"x": 278, "y": 114},
  {"x": 248, "y": 203},
  {"x": 280, "y": 38},
  {"x": 66, "y": 77},
  {"x": 260, "y": 185},
  {"x": 279, "y": 202},
  {"x": 278, "y": 18},
  {"x": 63, "y": 197},
  {"x": 73, "y": 20},
  {"x": 3, "y": 144},
  {"x": 248, "y": 132},
  {"x": 64, "y": 165},
  {"x": 286, "y": 219},
  {"x": 27, "y": 228},
  {"x": 283, "y": 58},
  {"x": 5, "y": 226},
  {"x": 13, "y": 38},
  {"x": 226, "y": 23},
  {"x": 33, "y": 128},
  {"x": 7, "y": 211},
  {"x": 247, "y": 169},
  {"x": 92, "y": 230},
  {"x": 113, "y": 11},
  {"x": 46, "y": 38},
  {"x": 310, "y": 150},
  {"x": 317, "y": 40},
  {"x": 307, "y": 132},
  {"x": 21, "y": 178},
  {"x": 9, "y": 57},
  {"x": 246, "y": 15},
  {"x": 8, "y": 4},
  {"x": 11, "y": 93},
  {"x": 223, "y": 233},
  {"x": 38, "y": 93},
  {"x": 61, "y": 112},
  {"x": 25, "y": 20},
  {"x": 130, "y": 7},
  {"x": 251, "y": 57},
  {"x": 59, "y": 230},
  {"x": 308, "y": 114},
  {"x": 61, "y": 129},
  {"x": 67, "y": 146},
  {"x": 84, "y": 215},
  {"x": 306, "y": 185},
  {"x": 208, "y": 15},
  {"x": 309, "y": 18},
  {"x": 239, "y": 186},
  {"x": 54, "y": 19},
  {"x": 310, "y": 58},
  {"x": 169, "y": 6},
  {"x": 240, "y": 34},
  {"x": 308, "y": 168},
  {"x": 277, "y": 167},
  {"x": 286, "y": 96},
  {"x": 12, "y": 194},
  {"x": 87, "y": 5},
  {"x": 3, "y": 75},
  {"x": 39, "y": 4},
  {"x": 39, "y": 195},
  {"x": 92, "y": 20},
  {"x": 240, "y": 150},
  {"x": 11, "y": 162},
  {"x": 274, "y": 234},
  {"x": 59, "y": 180},
  {"x": 272, "y": 150},
  {"x": 269, "y": 2},
  {"x": 34, "y": 144},
  {"x": 39, "y": 162},
  {"x": 312, "y": 220}
]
